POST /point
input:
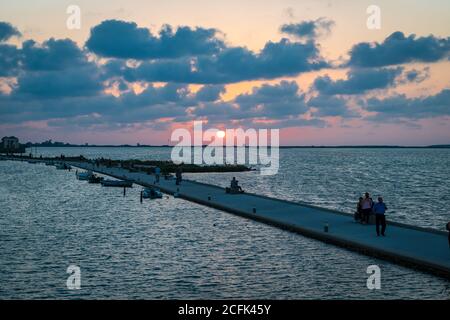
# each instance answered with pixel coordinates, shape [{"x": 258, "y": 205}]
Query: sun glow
[{"x": 220, "y": 134}]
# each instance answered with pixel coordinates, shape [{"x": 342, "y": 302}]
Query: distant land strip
[{"x": 438, "y": 146}]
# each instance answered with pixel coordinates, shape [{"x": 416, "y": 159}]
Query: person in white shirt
[{"x": 366, "y": 207}]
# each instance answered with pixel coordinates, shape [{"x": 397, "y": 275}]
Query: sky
[{"x": 136, "y": 70}]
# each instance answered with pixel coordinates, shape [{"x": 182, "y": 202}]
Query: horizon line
[{"x": 246, "y": 146}]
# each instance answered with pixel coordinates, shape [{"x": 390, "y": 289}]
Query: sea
[{"x": 173, "y": 249}]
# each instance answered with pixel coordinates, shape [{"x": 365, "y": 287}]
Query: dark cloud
[
  {"x": 282, "y": 104},
  {"x": 210, "y": 93},
  {"x": 399, "y": 49},
  {"x": 276, "y": 59},
  {"x": 276, "y": 100},
  {"x": 39, "y": 103},
  {"x": 309, "y": 29},
  {"x": 169, "y": 93},
  {"x": 17, "y": 109},
  {"x": 331, "y": 106},
  {"x": 358, "y": 81},
  {"x": 9, "y": 60},
  {"x": 400, "y": 106},
  {"x": 55, "y": 69},
  {"x": 120, "y": 39},
  {"x": 71, "y": 82},
  {"x": 56, "y": 81},
  {"x": 7, "y": 31},
  {"x": 52, "y": 55},
  {"x": 417, "y": 75}
]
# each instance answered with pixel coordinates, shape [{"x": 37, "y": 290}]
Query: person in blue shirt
[
  {"x": 380, "y": 209},
  {"x": 157, "y": 173}
]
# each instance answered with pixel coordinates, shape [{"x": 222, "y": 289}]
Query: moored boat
[
  {"x": 84, "y": 175},
  {"x": 151, "y": 193},
  {"x": 95, "y": 179},
  {"x": 62, "y": 166}
]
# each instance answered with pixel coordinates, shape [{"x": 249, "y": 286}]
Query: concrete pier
[{"x": 420, "y": 248}]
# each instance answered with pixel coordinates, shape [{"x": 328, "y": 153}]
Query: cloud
[
  {"x": 275, "y": 101},
  {"x": 58, "y": 82},
  {"x": 358, "y": 81},
  {"x": 210, "y": 93},
  {"x": 401, "y": 107},
  {"x": 311, "y": 29},
  {"x": 125, "y": 40},
  {"x": 281, "y": 104},
  {"x": 9, "y": 60},
  {"x": 277, "y": 106},
  {"x": 399, "y": 49},
  {"x": 276, "y": 59},
  {"x": 55, "y": 69},
  {"x": 19, "y": 109},
  {"x": 39, "y": 102},
  {"x": 416, "y": 76},
  {"x": 152, "y": 95},
  {"x": 331, "y": 106},
  {"x": 84, "y": 81},
  {"x": 52, "y": 55},
  {"x": 7, "y": 31}
]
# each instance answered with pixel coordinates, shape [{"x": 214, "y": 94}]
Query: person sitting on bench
[{"x": 234, "y": 187}]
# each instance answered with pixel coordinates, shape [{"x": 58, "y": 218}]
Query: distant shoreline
[{"x": 446, "y": 146}]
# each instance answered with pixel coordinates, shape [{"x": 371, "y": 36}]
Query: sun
[{"x": 220, "y": 134}]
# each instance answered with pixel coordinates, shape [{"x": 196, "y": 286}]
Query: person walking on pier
[
  {"x": 178, "y": 176},
  {"x": 157, "y": 173},
  {"x": 380, "y": 209},
  {"x": 366, "y": 207}
]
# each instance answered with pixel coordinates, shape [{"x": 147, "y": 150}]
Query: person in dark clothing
[
  {"x": 359, "y": 210},
  {"x": 178, "y": 176},
  {"x": 234, "y": 185},
  {"x": 380, "y": 209}
]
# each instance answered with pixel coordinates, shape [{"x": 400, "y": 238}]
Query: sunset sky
[{"x": 136, "y": 70}]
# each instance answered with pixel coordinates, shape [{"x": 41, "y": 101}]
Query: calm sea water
[{"x": 171, "y": 248}]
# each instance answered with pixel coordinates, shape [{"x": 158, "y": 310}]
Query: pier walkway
[
  {"x": 426, "y": 249},
  {"x": 420, "y": 248}
]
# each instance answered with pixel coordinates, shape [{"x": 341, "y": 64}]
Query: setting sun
[{"x": 220, "y": 134}]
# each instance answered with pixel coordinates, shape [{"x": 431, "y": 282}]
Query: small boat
[
  {"x": 84, "y": 175},
  {"x": 151, "y": 193},
  {"x": 117, "y": 183},
  {"x": 49, "y": 163},
  {"x": 63, "y": 166},
  {"x": 95, "y": 179}
]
